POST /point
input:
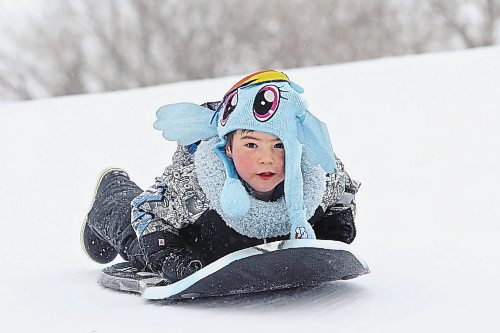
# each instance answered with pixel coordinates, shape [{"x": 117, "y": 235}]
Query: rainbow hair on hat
[{"x": 265, "y": 101}]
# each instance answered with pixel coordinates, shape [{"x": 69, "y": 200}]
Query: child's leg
[{"x": 107, "y": 229}]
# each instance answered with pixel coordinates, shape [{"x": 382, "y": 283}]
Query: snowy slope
[{"x": 419, "y": 132}]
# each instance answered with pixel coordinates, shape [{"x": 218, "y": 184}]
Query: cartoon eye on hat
[
  {"x": 266, "y": 103},
  {"x": 266, "y": 100},
  {"x": 231, "y": 102}
]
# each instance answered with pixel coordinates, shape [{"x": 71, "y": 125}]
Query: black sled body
[{"x": 267, "y": 267}]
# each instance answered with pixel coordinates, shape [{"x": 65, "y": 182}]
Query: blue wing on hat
[
  {"x": 185, "y": 123},
  {"x": 313, "y": 134}
]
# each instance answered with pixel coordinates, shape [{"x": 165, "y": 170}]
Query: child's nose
[{"x": 266, "y": 158}]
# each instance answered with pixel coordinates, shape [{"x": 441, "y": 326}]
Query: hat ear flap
[
  {"x": 185, "y": 123},
  {"x": 234, "y": 199},
  {"x": 313, "y": 134}
]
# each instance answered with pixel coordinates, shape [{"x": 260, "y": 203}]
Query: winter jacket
[
  {"x": 177, "y": 225},
  {"x": 181, "y": 226}
]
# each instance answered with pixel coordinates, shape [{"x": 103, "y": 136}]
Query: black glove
[
  {"x": 178, "y": 265},
  {"x": 167, "y": 255},
  {"x": 336, "y": 225}
]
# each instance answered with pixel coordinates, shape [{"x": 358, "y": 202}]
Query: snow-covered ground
[{"x": 421, "y": 133}]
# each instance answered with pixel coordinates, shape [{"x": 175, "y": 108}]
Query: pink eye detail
[
  {"x": 232, "y": 101},
  {"x": 266, "y": 103}
]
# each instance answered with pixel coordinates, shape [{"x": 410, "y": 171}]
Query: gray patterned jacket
[{"x": 191, "y": 184}]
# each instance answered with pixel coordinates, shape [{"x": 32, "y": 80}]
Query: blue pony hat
[{"x": 265, "y": 101}]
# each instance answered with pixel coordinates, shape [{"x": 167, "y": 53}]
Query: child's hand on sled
[
  {"x": 176, "y": 267},
  {"x": 191, "y": 267}
]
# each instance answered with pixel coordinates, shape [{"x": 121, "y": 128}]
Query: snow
[{"x": 419, "y": 132}]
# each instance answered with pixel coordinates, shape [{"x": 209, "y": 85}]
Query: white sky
[
  {"x": 18, "y": 6},
  {"x": 13, "y": 10}
]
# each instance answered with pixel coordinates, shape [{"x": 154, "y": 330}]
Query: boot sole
[{"x": 112, "y": 253}]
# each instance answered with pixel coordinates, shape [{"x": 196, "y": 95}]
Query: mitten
[
  {"x": 178, "y": 265},
  {"x": 336, "y": 224}
]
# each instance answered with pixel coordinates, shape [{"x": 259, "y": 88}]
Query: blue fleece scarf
[{"x": 263, "y": 219}]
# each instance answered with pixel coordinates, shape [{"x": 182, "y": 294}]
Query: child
[{"x": 256, "y": 167}]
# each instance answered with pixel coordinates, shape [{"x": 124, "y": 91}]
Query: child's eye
[
  {"x": 250, "y": 145},
  {"x": 279, "y": 145}
]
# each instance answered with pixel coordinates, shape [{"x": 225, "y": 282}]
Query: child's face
[{"x": 259, "y": 159}]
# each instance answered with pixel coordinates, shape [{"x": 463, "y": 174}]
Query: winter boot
[{"x": 107, "y": 231}]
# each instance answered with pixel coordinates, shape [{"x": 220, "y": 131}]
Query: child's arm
[
  {"x": 159, "y": 213},
  {"x": 164, "y": 250},
  {"x": 334, "y": 219},
  {"x": 166, "y": 254}
]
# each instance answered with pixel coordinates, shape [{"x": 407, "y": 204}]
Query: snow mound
[{"x": 419, "y": 132}]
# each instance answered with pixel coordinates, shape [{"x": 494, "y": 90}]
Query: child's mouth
[{"x": 266, "y": 175}]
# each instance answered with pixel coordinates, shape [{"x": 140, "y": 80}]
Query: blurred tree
[
  {"x": 84, "y": 46},
  {"x": 474, "y": 23}
]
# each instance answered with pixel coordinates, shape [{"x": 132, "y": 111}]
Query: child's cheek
[{"x": 243, "y": 165}]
